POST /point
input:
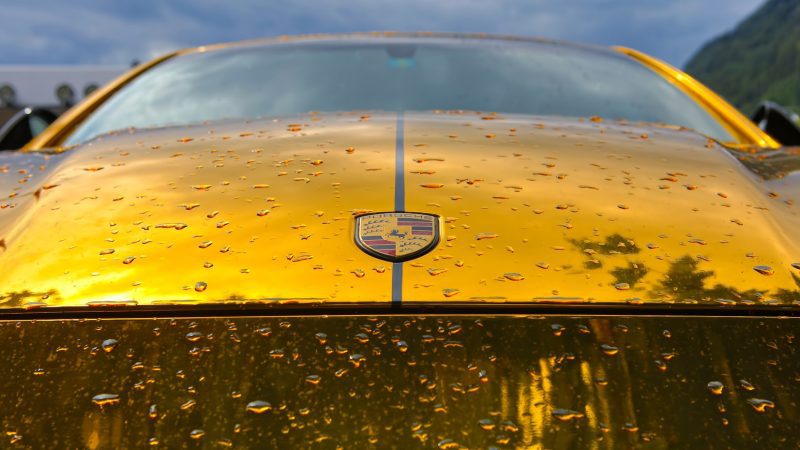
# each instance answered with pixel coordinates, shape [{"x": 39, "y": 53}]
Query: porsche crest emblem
[{"x": 397, "y": 236}]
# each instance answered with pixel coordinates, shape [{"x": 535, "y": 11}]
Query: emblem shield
[{"x": 397, "y": 236}]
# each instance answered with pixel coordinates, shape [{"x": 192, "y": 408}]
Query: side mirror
[
  {"x": 23, "y": 126},
  {"x": 778, "y": 122}
]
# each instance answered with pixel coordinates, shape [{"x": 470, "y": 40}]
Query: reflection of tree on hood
[{"x": 683, "y": 281}]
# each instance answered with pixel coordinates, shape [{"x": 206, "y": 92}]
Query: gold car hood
[{"x": 532, "y": 210}]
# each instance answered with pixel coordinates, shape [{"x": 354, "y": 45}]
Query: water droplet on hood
[
  {"x": 715, "y": 387},
  {"x": 109, "y": 345},
  {"x": 175, "y": 226},
  {"x": 450, "y": 292},
  {"x": 433, "y": 271},
  {"x": 566, "y": 415},
  {"x": 609, "y": 349},
  {"x": 513, "y": 276},
  {"x": 197, "y": 434},
  {"x": 258, "y": 407},
  {"x": 764, "y": 270},
  {"x": 102, "y": 400},
  {"x": 760, "y": 404}
]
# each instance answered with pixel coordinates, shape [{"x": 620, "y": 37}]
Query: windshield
[{"x": 390, "y": 74}]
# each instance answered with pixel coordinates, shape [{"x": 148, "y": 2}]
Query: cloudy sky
[{"x": 117, "y": 32}]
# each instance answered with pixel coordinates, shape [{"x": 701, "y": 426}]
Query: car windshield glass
[{"x": 392, "y": 74}]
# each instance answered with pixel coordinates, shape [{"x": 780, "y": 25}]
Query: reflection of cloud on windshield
[{"x": 332, "y": 75}]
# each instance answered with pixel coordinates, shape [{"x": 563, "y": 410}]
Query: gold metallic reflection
[
  {"x": 472, "y": 382},
  {"x": 532, "y": 209}
]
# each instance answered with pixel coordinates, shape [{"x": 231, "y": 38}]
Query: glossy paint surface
[
  {"x": 401, "y": 382},
  {"x": 533, "y": 210}
]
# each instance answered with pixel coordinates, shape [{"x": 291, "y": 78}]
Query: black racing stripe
[{"x": 399, "y": 203}]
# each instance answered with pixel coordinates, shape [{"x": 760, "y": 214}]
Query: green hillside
[{"x": 759, "y": 60}]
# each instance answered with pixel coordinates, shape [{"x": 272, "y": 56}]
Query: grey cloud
[{"x": 95, "y": 31}]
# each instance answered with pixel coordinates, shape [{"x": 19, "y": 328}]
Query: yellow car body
[
  {"x": 529, "y": 210},
  {"x": 545, "y": 211},
  {"x": 589, "y": 283}
]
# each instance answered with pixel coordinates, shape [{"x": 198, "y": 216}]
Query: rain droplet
[
  {"x": 746, "y": 385},
  {"x": 188, "y": 405},
  {"x": 262, "y": 212},
  {"x": 300, "y": 257},
  {"x": 128, "y": 260},
  {"x": 764, "y": 270},
  {"x": 107, "y": 251},
  {"x": 358, "y": 273},
  {"x": 448, "y": 444},
  {"x": 566, "y": 415},
  {"x": 264, "y": 331},
  {"x": 205, "y": 244},
  {"x": 197, "y": 434},
  {"x": 200, "y": 286},
  {"x": 194, "y": 336},
  {"x": 622, "y": 286},
  {"x": 175, "y": 226},
  {"x": 356, "y": 359},
  {"x": 629, "y": 427},
  {"x": 202, "y": 187},
  {"x": 433, "y": 271},
  {"x": 432, "y": 185},
  {"x": 482, "y": 236},
  {"x": 609, "y": 349},
  {"x": 313, "y": 379},
  {"x": 760, "y": 404},
  {"x": 543, "y": 265},
  {"x": 513, "y": 276},
  {"x": 258, "y": 407},
  {"x": 450, "y": 292},
  {"x": 109, "y": 345},
  {"x": 102, "y": 400},
  {"x": 715, "y": 387},
  {"x": 486, "y": 424}
]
